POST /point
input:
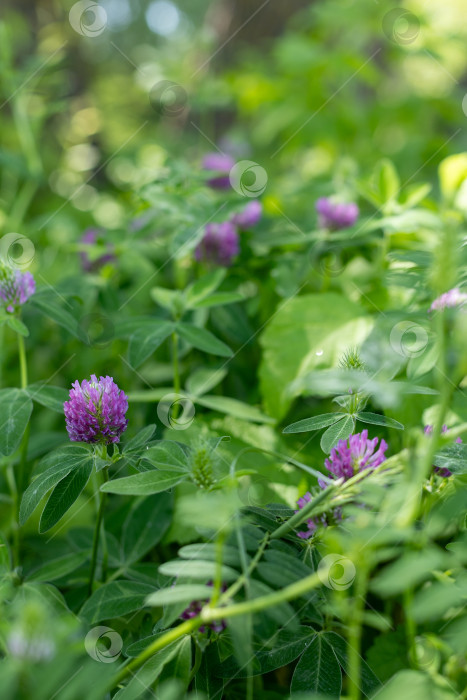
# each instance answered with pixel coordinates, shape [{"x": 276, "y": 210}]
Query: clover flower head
[
  {"x": 249, "y": 216},
  {"x": 15, "y": 287},
  {"x": 428, "y": 430},
  {"x": 96, "y": 411},
  {"x": 354, "y": 455},
  {"x": 194, "y": 609},
  {"x": 312, "y": 523},
  {"x": 336, "y": 215},
  {"x": 449, "y": 300},
  {"x": 221, "y": 164},
  {"x": 219, "y": 245}
]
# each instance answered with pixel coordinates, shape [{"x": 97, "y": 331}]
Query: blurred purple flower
[
  {"x": 96, "y": 411},
  {"x": 222, "y": 164},
  {"x": 250, "y": 215},
  {"x": 312, "y": 523},
  {"x": 219, "y": 245},
  {"x": 449, "y": 300},
  {"x": 428, "y": 430},
  {"x": 355, "y": 455},
  {"x": 336, "y": 215},
  {"x": 15, "y": 287},
  {"x": 194, "y": 609},
  {"x": 91, "y": 236}
]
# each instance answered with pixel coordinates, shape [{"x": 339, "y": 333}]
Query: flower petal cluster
[
  {"x": 15, "y": 287},
  {"x": 336, "y": 215},
  {"x": 96, "y": 411},
  {"x": 194, "y": 609},
  {"x": 250, "y": 215},
  {"x": 448, "y": 300},
  {"x": 355, "y": 455},
  {"x": 91, "y": 236},
  {"x": 221, "y": 164},
  {"x": 219, "y": 245}
]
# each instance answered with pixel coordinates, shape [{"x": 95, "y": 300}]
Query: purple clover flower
[
  {"x": 449, "y": 300},
  {"x": 91, "y": 236},
  {"x": 96, "y": 411},
  {"x": 312, "y": 523},
  {"x": 250, "y": 215},
  {"x": 336, "y": 215},
  {"x": 194, "y": 609},
  {"x": 428, "y": 430},
  {"x": 15, "y": 287},
  {"x": 355, "y": 455},
  {"x": 222, "y": 164},
  {"x": 219, "y": 245}
]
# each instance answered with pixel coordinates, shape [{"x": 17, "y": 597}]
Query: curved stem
[{"x": 97, "y": 530}]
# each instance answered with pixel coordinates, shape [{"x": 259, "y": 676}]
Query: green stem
[
  {"x": 171, "y": 636},
  {"x": 410, "y": 626},
  {"x": 97, "y": 530},
  {"x": 197, "y": 664},
  {"x": 20, "y": 477},
  {"x": 176, "y": 371},
  {"x": 295, "y": 590},
  {"x": 235, "y": 587},
  {"x": 355, "y": 633}
]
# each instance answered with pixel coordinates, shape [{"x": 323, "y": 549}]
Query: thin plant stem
[
  {"x": 355, "y": 633},
  {"x": 20, "y": 476},
  {"x": 97, "y": 530},
  {"x": 176, "y": 372}
]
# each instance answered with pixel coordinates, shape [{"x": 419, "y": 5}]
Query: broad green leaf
[
  {"x": 452, "y": 457},
  {"x": 305, "y": 333},
  {"x": 169, "y": 455},
  {"x": 15, "y": 411},
  {"x": 63, "y": 496},
  {"x": 170, "y": 299},
  {"x": 433, "y": 601},
  {"x": 140, "y": 439},
  {"x": 218, "y": 299},
  {"x": 145, "y": 341},
  {"x": 203, "y": 287},
  {"x": 52, "y": 397},
  {"x": 279, "y": 651},
  {"x": 338, "y": 431},
  {"x": 407, "y": 571},
  {"x": 58, "y": 568},
  {"x": 55, "y": 466},
  {"x": 114, "y": 600},
  {"x": 452, "y": 173},
  {"x": 48, "y": 304},
  {"x": 318, "y": 670},
  {"x": 416, "y": 685},
  {"x": 18, "y": 326},
  {"x": 183, "y": 593},
  {"x": 145, "y": 525},
  {"x": 209, "y": 551},
  {"x": 144, "y": 677},
  {"x": 197, "y": 570},
  {"x": 377, "y": 419},
  {"x": 144, "y": 483},
  {"x": 203, "y": 340},
  {"x": 387, "y": 180},
  {"x": 314, "y": 423},
  {"x": 369, "y": 681},
  {"x": 203, "y": 380},
  {"x": 224, "y": 404},
  {"x": 179, "y": 666}
]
